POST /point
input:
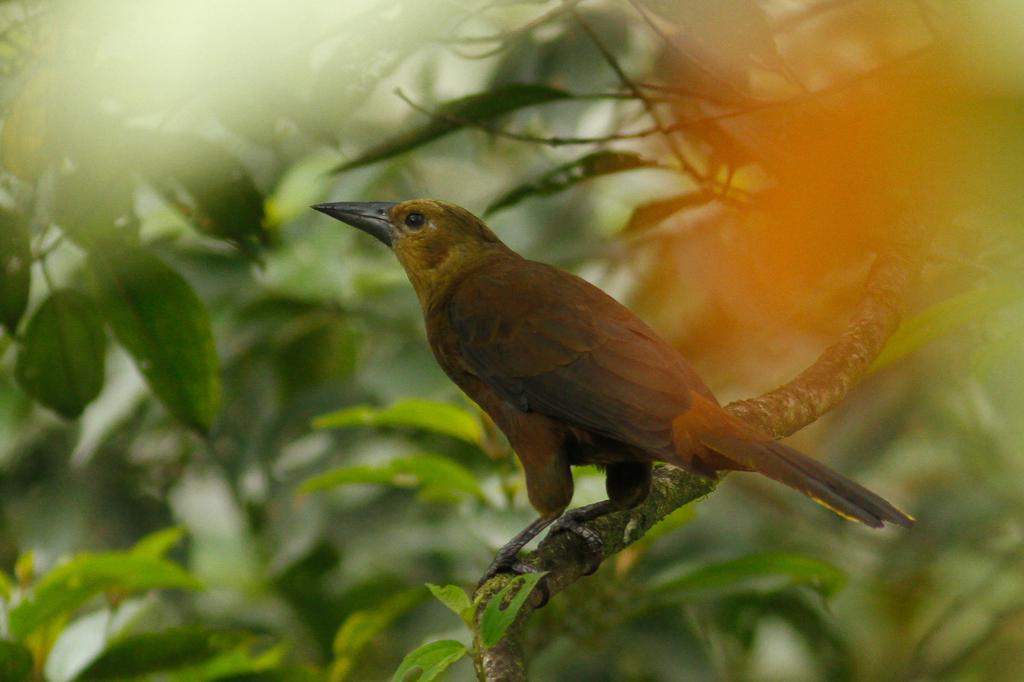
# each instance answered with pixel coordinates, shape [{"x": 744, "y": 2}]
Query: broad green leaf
[
  {"x": 455, "y": 598},
  {"x": 159, "y": 319},
  {"x": 156, "y": 545},
  {"x": 300, "y": 186},
  {"x": 793, "y": 568},
  {"x": 158, "y": 651},
  {"x": 436, "y": 475},
  {"x": 495, "y": 619},
  {"x": 70, "y": 586},
  {"x": 93, "y": 202},
  {"x": 223, "y": 201},
  {"x": 362, "y": 626},
  {"x": 432, "y": 659},
  {"x": 420, "y": 414},
  {"x": 61, "y": 359},
  {"x": 564, "y": 177},
  {"x": 15, "y": 268},
  {"x": 15, "y": 661},
  {"x": 650, "y": 214},
  {"x": 942, "y": 318},
  {"x": 456, "y": 114}
]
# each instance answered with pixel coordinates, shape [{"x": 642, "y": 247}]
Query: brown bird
[{"x": 573, "y": 377}]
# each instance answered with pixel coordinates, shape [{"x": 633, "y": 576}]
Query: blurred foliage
[{"x": 186, "y": 346}]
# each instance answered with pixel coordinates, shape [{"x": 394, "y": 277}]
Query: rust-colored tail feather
[{"x": 733, "y": 444}]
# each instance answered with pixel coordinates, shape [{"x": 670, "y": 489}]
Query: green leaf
[
  {"x": 222, "y": 200},
  {"x": 159, "y": 319},
  {"x": 93, "y": 202},
  {"x": 300, "y": 186},
  {"x": 63, "y": 350},
  {"x": 70, "y": 586},
  {"x": 420, "y": 414},
  {"x": 456, "y": 114},
  {"x": 455, "y": 598},
  {"x": 570, "y": 174},
  {"x": 793, "y": 568},
  {"x": 433, "y": 659},
  {"x": 15, "y": 661},
  {"x": 362, "y": 626},
  {"x": 156, "y": 545},
  {"x": 6, "y": 586},
  {"x": 437, "y": 476},
  {"x": 650, "y": 214},
  {"x": 157, "y": 651},
  {"x": 15, "y": 268},
  {"x": 284, "y": 673},
  {"x": 678, "y": 518},
  {"x": 495, "y": 620},
  {"x": 943, "y": 318}
]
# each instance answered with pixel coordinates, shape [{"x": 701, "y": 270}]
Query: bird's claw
[{"x": 595, "y": 545}]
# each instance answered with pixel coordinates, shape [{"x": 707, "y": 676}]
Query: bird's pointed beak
[{"x": 368, "y": 216}]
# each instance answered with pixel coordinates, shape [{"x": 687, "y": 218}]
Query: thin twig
[
  {"x": 652, "y": 111},
  {"x": 564, "y": 8},
  {"x": 501, "y": 132},
  {"x": 677, "y": 48}
]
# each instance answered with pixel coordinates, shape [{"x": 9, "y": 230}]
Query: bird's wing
[{"x": 550, "y": 342}]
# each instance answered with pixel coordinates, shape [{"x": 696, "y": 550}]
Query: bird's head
[{"x": 436, "y": 242}]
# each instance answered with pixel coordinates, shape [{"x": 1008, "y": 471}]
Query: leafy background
[{"x": 225, "y": 451}]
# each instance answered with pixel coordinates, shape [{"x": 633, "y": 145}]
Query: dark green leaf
[
  {"x": 69, "y": 586},
  {"x": 93, "y": 202},
  {"x": 436, "y": 475},
  {"x": 283, "y": 673},
  {"x": 15, "y": 268},
  {"x": 454, "y": 597},
  {"x": 458, "y": 113},
  {"x": 60, "y": 363},
  {"x": 433, "y": 659},
  {"x": 15, "y": 661},
  {"x": 496, "y": 619},
  {"x": 159, "y": 319},
  {"x": 564, "y": 177},
  {"x": 650, "y": 214},
  {"x": 157, "y": 651},
  {"x": 420, "y": 414},
  {"x": 793, "y": 568},
  {"x": 362, "y": 626},
  {"x": 219, "y": 196}
]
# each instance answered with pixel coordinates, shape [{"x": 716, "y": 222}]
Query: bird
[{"x": 572, "y": 377}]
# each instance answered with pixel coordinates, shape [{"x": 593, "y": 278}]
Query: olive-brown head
[{"x": 436, "y": 242}]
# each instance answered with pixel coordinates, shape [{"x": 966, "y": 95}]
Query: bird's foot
[{"x": 572, "y": 521}]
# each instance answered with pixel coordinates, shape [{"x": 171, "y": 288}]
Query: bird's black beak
[{"x": 368, "y": 216}]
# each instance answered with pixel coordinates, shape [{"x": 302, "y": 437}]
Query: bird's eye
[{"x": 415, "y": 220}]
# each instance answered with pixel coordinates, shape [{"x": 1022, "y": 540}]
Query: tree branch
[{"x": 780, "y": 413}]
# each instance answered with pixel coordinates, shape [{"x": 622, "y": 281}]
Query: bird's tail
[{"x": 706, "y": 441}]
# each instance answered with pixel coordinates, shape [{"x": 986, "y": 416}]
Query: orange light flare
[{"x": 753, "y": 293}]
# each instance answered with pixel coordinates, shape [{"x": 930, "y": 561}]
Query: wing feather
[{"x": 564, "y": 348}]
